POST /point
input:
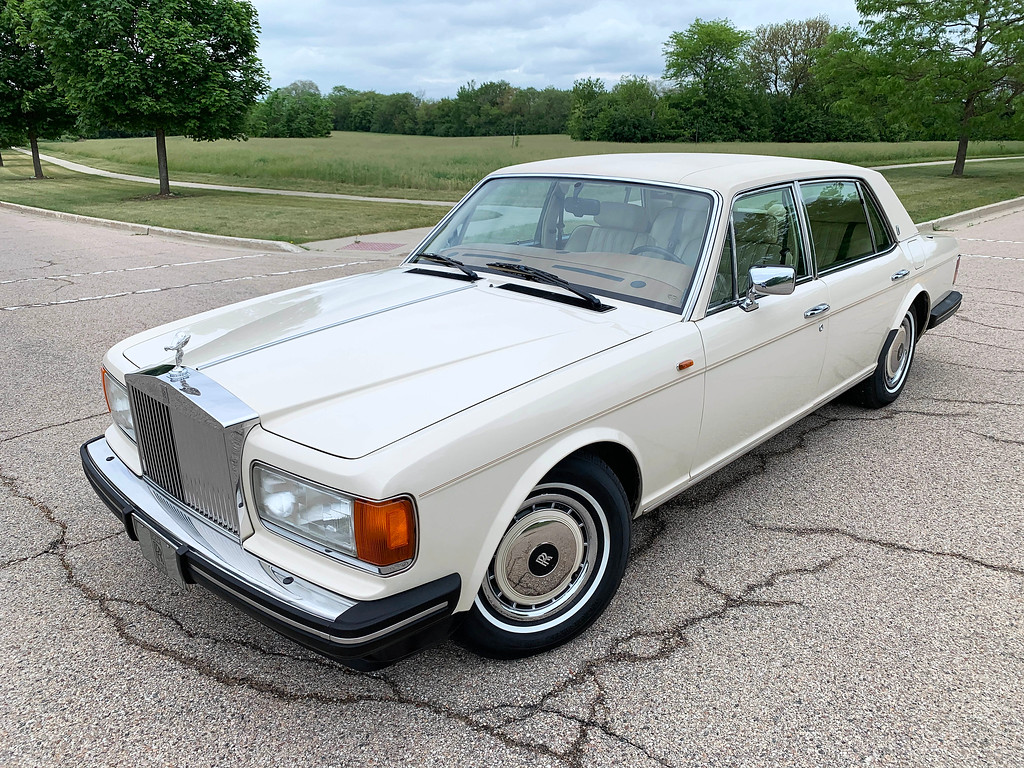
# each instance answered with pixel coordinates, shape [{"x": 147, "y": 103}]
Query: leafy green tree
[
  {"x": 708, "y": 54},
  {"x": 953, "y": 65},
  {"x": 634, "y": 111},
  {"x": 184, "y": 67},
  {"x": 30, "y": 105},
  {"x": 295, "y": 111},
  {"x": 781, "y": 56},
  {"x": 714, "y": 96},
  {"x": 588, "y": 97}
]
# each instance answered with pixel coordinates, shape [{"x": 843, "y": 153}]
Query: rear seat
[{"x": 839, "y": 232}]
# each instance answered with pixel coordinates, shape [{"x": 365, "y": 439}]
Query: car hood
[{"x": 349, "y": 366}]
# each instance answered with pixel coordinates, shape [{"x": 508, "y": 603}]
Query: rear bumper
[
  {"x": 361, "y": 634},
  {"x": 945, "y": 309}
]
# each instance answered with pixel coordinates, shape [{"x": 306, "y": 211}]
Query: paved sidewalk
[{"x": 226, "y": 187}]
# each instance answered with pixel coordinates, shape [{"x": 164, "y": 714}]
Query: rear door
[{"x": 865, "y": 271}]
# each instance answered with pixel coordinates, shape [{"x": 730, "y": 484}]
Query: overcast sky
[{"x": 431, "y": 47}]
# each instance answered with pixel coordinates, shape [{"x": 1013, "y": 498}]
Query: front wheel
[
  {"x": 886, "y": 383},
  {"x": 557, "y": 566}
]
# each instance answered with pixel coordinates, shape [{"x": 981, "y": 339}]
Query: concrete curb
[
  {"x": 972, "y": 216},
  {"x": 143, "y": 229}
]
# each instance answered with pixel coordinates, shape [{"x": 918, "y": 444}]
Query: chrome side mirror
[{"x": 768, "y": 281}]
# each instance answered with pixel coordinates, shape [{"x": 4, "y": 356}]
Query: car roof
[{"x": 728, "y": 174}]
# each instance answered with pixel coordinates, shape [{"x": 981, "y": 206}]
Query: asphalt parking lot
[{"x": 848, "y": 594}]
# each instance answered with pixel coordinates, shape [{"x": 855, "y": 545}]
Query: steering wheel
[{"x": 658, "y": 250}]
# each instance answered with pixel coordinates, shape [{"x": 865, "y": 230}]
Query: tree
[
  {"x": 30, "y": 105},
  {"x": 781, "y": 56},
  {"x": 928, "y": 56},
  {"x": 295, "y": 111},
  {"x": 587, "y": 98},
  {"x": 714, "y": 96},
  {"x": 707, "y": 54},
  {"x": 184, "y": 67}
]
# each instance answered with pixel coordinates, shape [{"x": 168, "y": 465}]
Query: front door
[{"x": 763, "y": 366}]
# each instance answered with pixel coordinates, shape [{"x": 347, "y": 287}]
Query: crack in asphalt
[
  {"x": 986, "y": 325},
  {"x": 954, "y": 401},
  {"x": 9, "y": 438},
  {"x": 121, "y": 294},
  {"x": 971, "y": 341},
  {"x": 796, "y": 530},
  {"x": 125, "y": 270},
  {"x": 1006, "y": 440}
]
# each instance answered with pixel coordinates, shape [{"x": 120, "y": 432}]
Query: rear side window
[{"x": 838, "y": 221}]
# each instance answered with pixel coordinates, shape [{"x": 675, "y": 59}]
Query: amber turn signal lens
[
  {"x": 385, "y": 531},
  {"x": 106, "y": 395}
]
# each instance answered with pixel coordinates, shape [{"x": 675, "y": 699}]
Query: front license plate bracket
[{"x": 161, "y": 552}]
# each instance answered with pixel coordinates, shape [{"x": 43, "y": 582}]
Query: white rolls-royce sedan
[{"x": 459, "y": 445}]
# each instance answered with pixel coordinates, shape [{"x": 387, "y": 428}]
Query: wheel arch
[
  {"x": 922, "y": 306},
  {"x": 918, "y": 302},
  {"x": 622, "y": 462}
]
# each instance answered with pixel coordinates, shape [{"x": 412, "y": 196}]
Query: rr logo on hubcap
[{"x": 543, "y": 560}]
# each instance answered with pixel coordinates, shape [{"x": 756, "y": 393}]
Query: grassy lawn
[
  {"x": 411, "y": 166},
  {"x": 294, "y": 219},
  {"x": 426, "y": 167},
  {"x": 930, "y": 192}
]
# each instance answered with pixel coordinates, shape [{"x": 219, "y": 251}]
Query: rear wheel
[
  {"x": 886, "y": 383},
  {"x": 557, "y": 566}
]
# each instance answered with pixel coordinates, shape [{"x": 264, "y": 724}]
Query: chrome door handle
[
  {"x": 900, "y": 275},
  {"x": 817, "y": 310}
]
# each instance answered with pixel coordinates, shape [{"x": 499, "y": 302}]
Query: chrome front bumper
[{"x": 362, "y": 634}]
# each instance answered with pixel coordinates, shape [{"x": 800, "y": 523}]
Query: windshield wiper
[
  {"x": 542, "y": 276},
  {"x": 448, "y": 262}
]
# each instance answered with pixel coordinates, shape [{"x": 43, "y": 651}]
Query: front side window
[
  {"x": 839, "y": 226},
  {"x": 767, "y": 233},
  {"x": 630, "y": 241}
]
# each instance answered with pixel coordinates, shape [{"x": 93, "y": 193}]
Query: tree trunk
[
  {"x": 965, "y": 135},
  {"x": 1, "y": 161},
  {"x": 36, "y": 165},
  {"x": 161, "y": 162}
]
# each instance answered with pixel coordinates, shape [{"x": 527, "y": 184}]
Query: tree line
[{"x": 489, "y": 109}]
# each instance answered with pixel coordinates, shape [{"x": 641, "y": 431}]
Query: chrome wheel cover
[
  {"x": 547, "y": 557},
  {"x": 897, "y": 357}
]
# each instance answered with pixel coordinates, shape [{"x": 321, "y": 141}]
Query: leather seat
[
  {"x": 620, "y": 227},
  {"x": 680, "y": 230}
]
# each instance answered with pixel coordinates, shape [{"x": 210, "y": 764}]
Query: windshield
[{"x": 635, "y": 242}]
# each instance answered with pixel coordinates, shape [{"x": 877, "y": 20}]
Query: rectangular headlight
[
  {"x": 378, "y": 533},
  {"x": 118, "y": 404}
]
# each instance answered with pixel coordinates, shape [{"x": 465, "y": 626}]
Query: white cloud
[{"x": 434, "y": 46}]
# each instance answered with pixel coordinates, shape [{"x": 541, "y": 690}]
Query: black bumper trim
[
  {"x": 369, "y": 635},
  {"x": 945, "y": 309}
]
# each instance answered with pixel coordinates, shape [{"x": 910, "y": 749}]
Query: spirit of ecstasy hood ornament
[{"x": 178, "y": 373}]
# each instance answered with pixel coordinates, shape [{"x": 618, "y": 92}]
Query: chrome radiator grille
[{"x": 186, "y": 450}]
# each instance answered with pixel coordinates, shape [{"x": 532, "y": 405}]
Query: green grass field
[
  {"x": 413, "y": 167},
  {"x": 426, "y": 167},
  {"x": 293, "y": 219}
]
